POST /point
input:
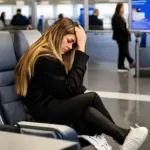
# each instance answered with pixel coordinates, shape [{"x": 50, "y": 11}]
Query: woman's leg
[
  {"x": 75, "y": 105},
  {"x": 100, "y": 122},
  {"x": 98, "y": 104},
  {"x": 85, "y": 106},
  {"x": 127, "y": 53},
  {"x": 121, "y": 55}
]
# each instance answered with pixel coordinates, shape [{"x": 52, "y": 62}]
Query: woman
[
  {"x": 50, "y": 76},
  {"x": 2, "y": 17},
  {"x": 122, "y": 36}
]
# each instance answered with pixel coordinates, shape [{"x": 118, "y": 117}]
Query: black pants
[
  {"x": 85, "y": 113},
  {"x": 123, "y": 53}
]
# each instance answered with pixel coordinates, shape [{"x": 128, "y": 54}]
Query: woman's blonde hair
[{"x": 49, "y": 44}]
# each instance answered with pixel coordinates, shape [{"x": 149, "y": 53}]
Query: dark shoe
[{"x": 133, "y": 64}]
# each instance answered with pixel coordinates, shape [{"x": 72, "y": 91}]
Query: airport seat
[
  {"x": 9, "y": 100},
  {"x": 23, "y": 39},
  {"x": 12, "y": 110}
]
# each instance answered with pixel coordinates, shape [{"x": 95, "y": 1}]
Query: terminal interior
[{"x": 125, "y": 95}]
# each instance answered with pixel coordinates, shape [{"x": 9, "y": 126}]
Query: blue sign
[
  {"x": 81, "y": 18},
  {"x": 140, "y": 15}
]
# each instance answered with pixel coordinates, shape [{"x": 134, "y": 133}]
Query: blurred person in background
[
  {"x": 20, "y": 20},
  {"x": 60, "y": 16},
  {"x": 2, "y": 17},
  {"x": 122, "y": 36},
  {"x": 94, "y": 22}
]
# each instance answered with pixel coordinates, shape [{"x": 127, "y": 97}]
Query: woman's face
[
  {"x": 67, "y": 43},
  {"x": 122, "y": 10}
]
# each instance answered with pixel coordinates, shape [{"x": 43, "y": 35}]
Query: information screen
[{"x": 140, "y": 14}]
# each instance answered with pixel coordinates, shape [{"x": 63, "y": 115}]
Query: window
[
  {"x": 45, "y": 10},
  {"x": 8, "y": 10},
  {"x": 79, "y": 6},
  {"x": 106, "y": 12},
  {"x": 66, "y": 9},
  {"x": 24, "y": 9}
]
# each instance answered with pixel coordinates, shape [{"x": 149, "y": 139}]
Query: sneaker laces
[
  {"x": 102, "y": 141},
  {"x": 98, "y": 141}
]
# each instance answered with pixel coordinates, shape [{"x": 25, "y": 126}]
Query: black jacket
[
  {"x": 120, "y": 31},
  {"x": 50, "y": 80},
  {"x": 3, "y": 19},
  {"x": 19, "y": 20},
  {"x": 95, "y": 23}
]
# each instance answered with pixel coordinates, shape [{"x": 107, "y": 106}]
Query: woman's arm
[
  {"x": 118, "y": 25},
  {"x": 55, "y": 80}
]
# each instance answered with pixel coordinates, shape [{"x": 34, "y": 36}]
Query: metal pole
[
  {"x": 86, "y": 14},
  {"x": 34, "y": 13},
  {"x": 86, "y": 27},
  {"x": 130, "y": 12},
  {"x": 55, "y": 10},
  {"x": 137, "y": 56},
  {"x": 75, "y": 12}
]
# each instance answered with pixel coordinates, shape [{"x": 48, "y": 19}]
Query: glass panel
[
  {"x": 7, "y": 9},
  {"x": 66, "y": 9},
  {"x": 24, "y": 8},
  {"x": 106, "y": 12},
  {"x": 79, "y": 6},
  {"x": 45, "y": 10}
]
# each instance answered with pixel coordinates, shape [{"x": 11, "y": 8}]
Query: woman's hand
[{"x": 81, "y": 38}]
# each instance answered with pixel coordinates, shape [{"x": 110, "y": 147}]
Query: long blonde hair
[{"x": 48, "y": 44}]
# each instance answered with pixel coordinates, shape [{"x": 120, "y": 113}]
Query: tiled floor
[{"x": 109, "y": 79}]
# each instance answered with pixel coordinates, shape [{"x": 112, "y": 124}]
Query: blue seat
[
  {"x": 12, "y": 110},
  {"x": 8, "y": 98},
  {"x": 24, "y": 39}
]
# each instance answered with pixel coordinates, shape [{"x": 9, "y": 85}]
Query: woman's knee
[
  {"x": 93, "y": 96},
  {"x": 90, "y": 99},
  {"x": 96, "y": 99}
]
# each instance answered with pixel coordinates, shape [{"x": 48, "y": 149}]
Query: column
[
  {"x": 34, "y": 13},
  {"x": 55, "y": 11},
  {"x": 75, "y": 14},
  {"x": 86, "y": 14}
]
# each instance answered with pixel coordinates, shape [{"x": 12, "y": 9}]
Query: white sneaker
[
  {"x": 102, "y": 137},
  {"x": 135, "y": 138},
  {"x": 98, "y": 141}
]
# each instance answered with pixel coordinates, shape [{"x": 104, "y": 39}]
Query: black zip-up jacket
[
  {"x": 120, "y": 31},
  {"x": 50, "y": 80}
]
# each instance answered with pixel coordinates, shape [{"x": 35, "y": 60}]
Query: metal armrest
[{"x": 9, "y": 128}]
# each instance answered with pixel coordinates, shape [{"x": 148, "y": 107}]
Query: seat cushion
[
  {"x": 11, "y": 105},
  {"x": 7, "y": 56}
]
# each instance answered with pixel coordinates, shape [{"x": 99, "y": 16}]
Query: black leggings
[
  {"x": 123, "y": 53},
  {"x": 85, "y": 113}
]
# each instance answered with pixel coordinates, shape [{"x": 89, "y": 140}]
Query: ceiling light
[
  {"x": 44, "y": 2},
  {"x": 19, "y": 2}
]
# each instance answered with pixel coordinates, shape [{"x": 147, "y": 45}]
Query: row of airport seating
[{"x": 13, "y": 117}]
